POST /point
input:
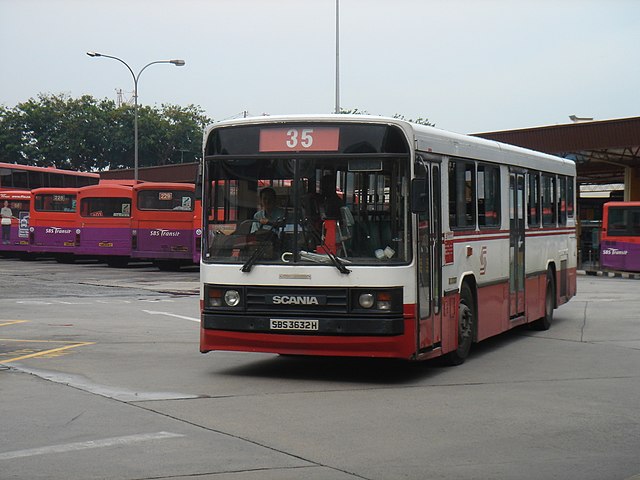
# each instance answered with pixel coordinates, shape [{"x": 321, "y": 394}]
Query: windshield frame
[{"x": 235, "y": 167}]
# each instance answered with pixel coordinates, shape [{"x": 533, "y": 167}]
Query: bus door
[
  {"x": 429, "y": 259},
  {"x": 516, "y": 244}
]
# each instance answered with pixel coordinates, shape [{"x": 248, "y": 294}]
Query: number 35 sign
[{"x": 299, "y": 139}]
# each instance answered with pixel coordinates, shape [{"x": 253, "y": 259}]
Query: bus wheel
[
  {"x": 66, "y": 258},
  {"x": 544, "y": 323},
  {"x": 466, "y": 322},
  {"x": 168, "y": 265},
  {"x": 117, "y": 262}
]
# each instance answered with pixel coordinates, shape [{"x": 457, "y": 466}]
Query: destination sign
[{"x": 299, "y": 139}]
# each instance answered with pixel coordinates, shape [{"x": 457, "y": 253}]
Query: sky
[{"x": 468, "y": 66}]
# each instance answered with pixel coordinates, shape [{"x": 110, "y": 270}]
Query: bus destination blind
[{"x": 299, "y": 139}]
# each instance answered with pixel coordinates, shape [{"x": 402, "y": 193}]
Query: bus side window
[
  {"x": 548, "y": 201},
  {"x": 488, "y": 196},
  {"x": 462, "y": 201},
  {"x": 533, "y": 200}
]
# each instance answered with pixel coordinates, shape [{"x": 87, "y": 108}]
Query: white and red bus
[{"x": 436, "y": 240}]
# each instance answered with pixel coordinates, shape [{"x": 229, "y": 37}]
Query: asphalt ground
[{"x": 101, "y": 378}]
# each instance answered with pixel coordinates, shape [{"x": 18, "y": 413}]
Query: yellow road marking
[
  {"x": 44, "y": 352},
  {"x": 11, "y": 322}
]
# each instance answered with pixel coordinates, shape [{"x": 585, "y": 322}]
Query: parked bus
[
  {"x": 620, "y": 237},
  {"x": 15, "y": 236},
  {"x": 26, "y": 177},
  {"x": 104, "y": 219},
  {"x": 52, "y": 223},
  {"x": 163, "y": 223},
  {"x": 439, "y": 240}
]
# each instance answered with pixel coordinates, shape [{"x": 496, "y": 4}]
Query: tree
[
  {"x": 89, "y": 134},
  {"x": 419, "y": 120}
]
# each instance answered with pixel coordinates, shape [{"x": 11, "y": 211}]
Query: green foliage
[
  {"x": 419, "y": 120},
  {"x": 91, "y": 135}
]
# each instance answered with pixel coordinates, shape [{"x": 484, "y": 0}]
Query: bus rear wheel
[
  {"x": 544, "y": 323},
  {"x": 466, "y": 324}
]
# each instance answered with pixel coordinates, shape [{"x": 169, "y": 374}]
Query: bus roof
[
  {"x": 17, "y": 166},
  {"x": 45, "y": 190},
  {"x": 164, "y": 185},
  {"x": 105, "y": 189},
  {"x": 429, "y": 139}
]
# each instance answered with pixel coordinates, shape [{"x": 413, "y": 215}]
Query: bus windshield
[
  {"x": 166, "y": 199},
  {"x": 624, "y": 221},
  {"x": 339, "y": 210}
]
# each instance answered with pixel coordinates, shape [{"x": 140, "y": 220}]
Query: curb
[{"x": 602, "y": 273}]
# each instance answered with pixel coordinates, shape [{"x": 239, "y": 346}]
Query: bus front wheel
[{"x": 466, "y": 323}]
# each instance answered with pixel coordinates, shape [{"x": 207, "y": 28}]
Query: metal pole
[
  {"x": 177, "y": 63},
  {"x": 337, "y": 56}
]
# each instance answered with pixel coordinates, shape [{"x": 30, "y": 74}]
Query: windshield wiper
[
  {"x": 334, "y": 259},
  {"x": 262, "y": 246}
]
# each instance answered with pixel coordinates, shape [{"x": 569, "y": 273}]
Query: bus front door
[
  {"x": 429, "y": 263},
  {"x": 516, "y": 245}
]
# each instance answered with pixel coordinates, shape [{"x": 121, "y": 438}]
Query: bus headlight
[
  {"x": 366, "y": 300},
  {"x": 377, "y": 300},
  {"x": 232, "y": 298}
]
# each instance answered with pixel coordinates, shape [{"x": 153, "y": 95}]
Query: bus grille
[{"x": 297, "y": 300}]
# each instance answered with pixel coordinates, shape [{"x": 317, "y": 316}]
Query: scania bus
[
  {"x": 620, "y": 237},
  {"x": 436, "y": 240}
]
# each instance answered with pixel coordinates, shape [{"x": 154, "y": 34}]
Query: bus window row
[{"x": 475, "y": 192}]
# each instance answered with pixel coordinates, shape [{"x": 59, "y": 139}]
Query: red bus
[
  {"x": 15, "y": 236},
  {"x": 104, "y": 219},
  {"x": 52, "y": 222},
  {"x": 438, "y": 241},
  {"x": 26, "y": 177},
  {"x": 620, "y": 237},
  {"x": 162, "y": 223}
]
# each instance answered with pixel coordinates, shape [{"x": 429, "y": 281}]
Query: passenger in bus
[
  {"x": 270, "y": 213},
  {"x": 6, "y": 215},
  {"x": 328, "y": 201},
  {"x": 325, "y": 204}
]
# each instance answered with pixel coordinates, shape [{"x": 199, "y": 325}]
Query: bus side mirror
[{"x": 419, "y": 195}]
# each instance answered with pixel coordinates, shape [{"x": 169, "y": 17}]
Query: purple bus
[{"x": 104, "y": 218}]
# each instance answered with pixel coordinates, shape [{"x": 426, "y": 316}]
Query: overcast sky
[{"x": 467, "y": 65}]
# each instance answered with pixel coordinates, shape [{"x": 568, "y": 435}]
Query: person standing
[{"x": 6, "y": 215}]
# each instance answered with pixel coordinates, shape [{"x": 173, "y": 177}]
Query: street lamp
[{"x": 177, "y": 63}]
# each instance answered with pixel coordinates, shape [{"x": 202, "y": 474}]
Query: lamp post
[{"x": 177, "y": 63}]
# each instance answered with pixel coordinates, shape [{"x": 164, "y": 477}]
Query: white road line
[
  {"x": 151, "y": 312},
  {"x": 72, "y": 447}
]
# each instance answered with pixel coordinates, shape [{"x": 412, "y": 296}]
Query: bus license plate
[{"x": 303, "y": 325}]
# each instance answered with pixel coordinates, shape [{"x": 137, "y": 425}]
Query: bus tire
[
  {"x": 117, "y": 262},
  {"x": 544, "y": 323},
  {"x": 466, "y": 325},
  {"x": 168, "y": 265}
]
